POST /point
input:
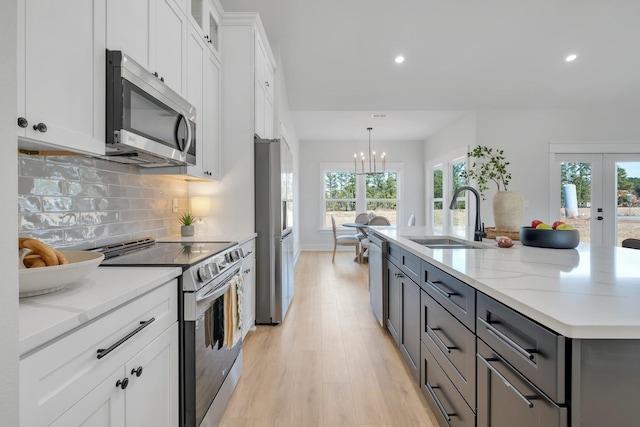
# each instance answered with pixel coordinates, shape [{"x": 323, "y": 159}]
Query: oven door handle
[{"x": 213, "y": 294}]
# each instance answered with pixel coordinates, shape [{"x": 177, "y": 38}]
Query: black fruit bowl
[{"x": 556, "y": 239}]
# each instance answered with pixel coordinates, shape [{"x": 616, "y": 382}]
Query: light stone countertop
[
  {"x": 590, "y": 292},
  {"x": 45, "y": 317},
  {"x": 211, "y": 238}
]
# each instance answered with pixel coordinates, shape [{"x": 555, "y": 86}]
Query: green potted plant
[
  {"x": 490, "y": 165},
  {"x": 187, "y": 228}
]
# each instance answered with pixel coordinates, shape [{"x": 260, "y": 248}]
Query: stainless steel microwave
[{"x": 148, "y": 124}]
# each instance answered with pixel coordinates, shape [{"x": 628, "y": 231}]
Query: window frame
[{"x": 361, "y": 191}]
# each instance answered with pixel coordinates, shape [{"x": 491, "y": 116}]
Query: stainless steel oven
[{"x": 210, "y": 347}]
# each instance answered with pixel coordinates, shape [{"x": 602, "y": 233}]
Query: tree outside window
[{"x": 346, "y": 195}]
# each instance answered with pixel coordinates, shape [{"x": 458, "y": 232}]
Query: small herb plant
[
  {"x": 187, "y": 219},
  {"x": 488, "y": 165}
]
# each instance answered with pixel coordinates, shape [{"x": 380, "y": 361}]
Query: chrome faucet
[{"x": 478, "y": 233}]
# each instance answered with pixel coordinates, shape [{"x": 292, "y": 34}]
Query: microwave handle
[{"x": 189, "y": 134}]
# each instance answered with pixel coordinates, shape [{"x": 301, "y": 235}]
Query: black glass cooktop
[{"x": 169, "y": 254}]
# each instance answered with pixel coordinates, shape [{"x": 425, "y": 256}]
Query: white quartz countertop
[
  {"x": 240, "y": 238},
  {"x": 45, "y": 317},
  {"x": 590, "y": 292}
]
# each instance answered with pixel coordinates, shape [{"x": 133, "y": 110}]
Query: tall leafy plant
[{"x": 488, "y": 165}]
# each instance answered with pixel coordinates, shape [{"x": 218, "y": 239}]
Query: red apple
[
  {"x": 556, "y": 224},
  {"x": 535, "y": 223}
]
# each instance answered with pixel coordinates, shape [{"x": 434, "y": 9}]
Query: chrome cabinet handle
[
  {"x": 444, "y": 293},
  {"x": 506, "y": 382},
  {"x": 440, "y": 340},
  {"x": 102, "y": 352},
  {"x": 447, "y": 416},
  {"x": 506, "y": 340}
]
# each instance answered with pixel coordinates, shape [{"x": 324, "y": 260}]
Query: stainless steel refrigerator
[{"x": 274, "y": 226}]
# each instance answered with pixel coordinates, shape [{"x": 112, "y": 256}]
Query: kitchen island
[{"x": 559, "y": 328}]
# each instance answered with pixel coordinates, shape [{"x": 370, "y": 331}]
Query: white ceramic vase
[{"x": 508, "y": 208}]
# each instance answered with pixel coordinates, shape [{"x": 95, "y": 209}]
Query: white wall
[
  {"x": 525, "y": 136},
  {"x": 9, "y": 214},
  {"x": 312, "y": 153}
]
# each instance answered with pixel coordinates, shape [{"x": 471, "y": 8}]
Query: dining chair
[
  {"x": 344, "y": 241},
  {"x": 362, "y": 218},
  {"x": 412, "y": 220},
  {"x": 379, "y": 220},
  {"x": 631, "y": 243}
]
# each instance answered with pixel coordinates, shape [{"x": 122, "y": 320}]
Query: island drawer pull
[
  {"x": 506, "y": 382},
  {"x": 506, "y": 340},
  {"x": 102, "y": 352},
  {"x": 440, "y": 340},
  {"x": 434, "y": 284},
  {"x": 447, "y": 416}
]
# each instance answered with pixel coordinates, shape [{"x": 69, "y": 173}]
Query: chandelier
[{"x": 373, "y": 166}]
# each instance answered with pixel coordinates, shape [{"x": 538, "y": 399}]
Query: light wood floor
[{"x": 329, "y": 364}]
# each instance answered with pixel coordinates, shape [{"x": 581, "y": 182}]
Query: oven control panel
[{"x": 205, "y": 271}]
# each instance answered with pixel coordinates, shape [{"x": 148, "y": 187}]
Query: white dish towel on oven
[{"x": 233, "y": 311}]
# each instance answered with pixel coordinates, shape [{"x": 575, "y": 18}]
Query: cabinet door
[
  {"x": 103, "y": 406},
  {"x": 152, "y": 397},
  {"x": 211, "y": 122},
  {"x": 168, "y": 41},
  {"x": 61, "y": 77},
  {"x": 394, "y": 301},
  {"x": 249, "y": 285},
  {"x": 504, "y": 396},
  {"x": 259, "y": 121},
  {"x": 128, "y": 28},
  {"x": 268, "y": 117},
  {"x": 410, "y": 336},
  {"x": 196, "y": 93}
]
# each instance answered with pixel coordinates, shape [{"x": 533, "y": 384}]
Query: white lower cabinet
[
  {"x": 249, "y": 287},
  {"x": 133, "y": 384}
]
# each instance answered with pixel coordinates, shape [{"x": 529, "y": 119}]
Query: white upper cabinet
[
  {"x": 211, "y": 149},
  {"x": 61, "y": 75},
  {"x": 264, "y": 86},
  {"x": 205, "y": 16},
  {"x": 154, "y": 34}
]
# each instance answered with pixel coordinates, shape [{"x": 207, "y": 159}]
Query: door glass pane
[
  {"x": 196, "y": 11},
  {"x": 339, "y": 195},
  {"x": 438, "y": 218},
  {"x": 459, "y": 219},
  {"x": 575, "y": 197},
  {"x": 628, "y": 190}
]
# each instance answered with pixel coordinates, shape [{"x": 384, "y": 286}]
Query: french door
[{"x": 598, "y": 194}]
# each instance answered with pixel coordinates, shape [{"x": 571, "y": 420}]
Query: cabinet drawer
[
  {"x": 538, "y": 353},
  {"x": 447, "y": 404},
  {"x": 410, "y": 264},
  {"x": 394, "y": 253},
  {"x": 452, "y": 345},
  {"x": 457, "y": 297},
  {"x": 504, "y": 396},
  {"x": 55, "y": 377}
]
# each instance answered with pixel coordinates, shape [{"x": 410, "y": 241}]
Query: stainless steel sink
[{"x": 446, "y": 242}]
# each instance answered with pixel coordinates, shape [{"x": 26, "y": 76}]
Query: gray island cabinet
[{"x": 527, "y": 335}]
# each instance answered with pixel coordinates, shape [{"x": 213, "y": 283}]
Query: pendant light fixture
[{"x": 373, "y": 166}]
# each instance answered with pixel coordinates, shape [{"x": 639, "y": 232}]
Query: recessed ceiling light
[
  {"x": 571, "y": 57},
  {"x": 379, "y": 116},
  {"x": 399, "y": 59}
]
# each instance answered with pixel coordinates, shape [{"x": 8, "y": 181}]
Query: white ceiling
[{"x": 338, "y": 59}]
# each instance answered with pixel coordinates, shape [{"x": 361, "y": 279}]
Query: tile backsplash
[{"x": 83, "y": 202}]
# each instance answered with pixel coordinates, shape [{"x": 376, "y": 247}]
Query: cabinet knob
[
  {"x": 40, "y": 127},
  {"x": 137, "y": 372},
  {"x": 123, "y": 383},
  {"x": 22, "y": 122},
  {"x": 162, "y": 79},
  {"x": 156, "y": 74},
  {"x": 266, "y": 84}
]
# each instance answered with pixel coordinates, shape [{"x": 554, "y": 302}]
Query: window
[
  {"x": 382, "y": 195},
  {"x": 347, "y": 194},
  {"x": 339, "y": 197},
  {"x": 443, "y": 176}
]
